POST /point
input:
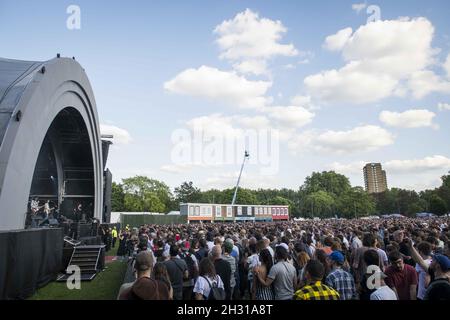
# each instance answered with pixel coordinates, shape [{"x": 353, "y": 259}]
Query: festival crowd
[{"x": 336, "y": 259}]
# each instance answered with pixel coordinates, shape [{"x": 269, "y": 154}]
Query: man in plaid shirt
[
  {"x": 339, "y": 279},
  {"x": 315, "y": 290}
]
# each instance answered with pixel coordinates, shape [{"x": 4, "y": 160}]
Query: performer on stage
[
  {"x": 34, "y": 206},
  {"x": 47, "y": 212},
  {"x": 78, "y": 211},
  {"x": 35, "y": 217}
]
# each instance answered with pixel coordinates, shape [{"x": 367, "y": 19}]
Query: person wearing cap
[
  {"x": 144, "y": 288},
  {"x": 339, "y": 279},
  {"x": 439, "y": 289},
  {"x": 315, "y": 289}
]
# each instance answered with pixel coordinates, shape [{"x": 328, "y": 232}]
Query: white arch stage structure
[{"x": 50, "y": 138}]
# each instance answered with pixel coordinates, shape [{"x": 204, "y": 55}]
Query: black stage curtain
[{"x": 29, "y": 260}]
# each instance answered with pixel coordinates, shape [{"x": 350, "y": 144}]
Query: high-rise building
[{"x": 374, "y": 178}]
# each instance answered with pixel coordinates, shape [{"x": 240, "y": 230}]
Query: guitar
[{"x": 35, "y": 207}]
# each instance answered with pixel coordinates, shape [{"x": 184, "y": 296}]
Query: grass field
[{"x": 105, "y": 285}]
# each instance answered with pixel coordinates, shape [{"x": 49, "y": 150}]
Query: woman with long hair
[
  {"x": 207, "y": 278},
  {"x": 322, "y": 257},
  {"x": 260, "y": 291},
  {"x": 302, "y": 259},
  {"x": 160, "y": 273}
]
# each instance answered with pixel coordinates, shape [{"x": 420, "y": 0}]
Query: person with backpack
[
  {"x": 178, "y": 271},
  {"x": 223, "y": 269},
  {"x": 228, "y": 248},
  {"x": 209, "y": 285},
  {"x": 439, "y": 288},
  {"x": 191, "y": 261}
]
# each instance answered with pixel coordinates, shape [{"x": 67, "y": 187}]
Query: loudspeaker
[{"x": 53, "y": 222}]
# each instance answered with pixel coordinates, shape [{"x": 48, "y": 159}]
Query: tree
[
  {"x": 243, "y": 196},
  {"x": 414, "y": 208},
  {"x": 328, "y": 181},
  {"x": 281, "y": 201},
  {"x": 356, "y": 202},
  {"x": 145, "y": 194},
  {"x": 385, "y": 202},
  {"x": 148, "y": 203},
  {"x": 187, "y": 193},
  {"x": 444, "y": 190},
  {"x": 437, "y": 205},
  {"x": 117, "y": 197},
  {"x": 319, "y": 204}
]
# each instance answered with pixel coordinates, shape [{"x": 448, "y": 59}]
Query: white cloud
[
  {"x": 303, "y": 101},
  {"x": 218, "y": 125},
  {"x": 350, "y": 168},
  {"x": 288, "y": 66},
  {"x": 337, "y": 41},
  {"x": 290, "y": 116},
  {"x": 350, "y": 85},
  {"x": 249, "y": 36},
  {"x": 256, "y": 67},
  {"x": 248, "y": 41},
  {"x": 432, "y": 163},
  {"x": 425, "y": 82},
  {"x": 256, "y": 122},
  {"x": 428, "y": 184},
  {"x": 359, "y": 139},
  {"x": 414, "y": 118},
  {"x": 220, "y": 85},
  {"x": 447, "y": 65},
  {"x": 416, "y": 174},
  {"x": 214, "y": 125},
  {"x": 379, "y": 57},
  {"x": 443, "y": 106},
  {"x": 121, "y": 136},
  {"x": 228, "y": 180},
  {"x": 176, "y": 168},
  {"x": 358, "y": 7},
  {"x": 365, "y": 138}
]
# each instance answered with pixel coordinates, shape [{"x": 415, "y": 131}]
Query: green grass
[
  {"x": 113, "y": 251},
  {"x": 105, "y": 286}
]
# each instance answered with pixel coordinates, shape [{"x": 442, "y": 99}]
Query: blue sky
[{"x": 338, "y": 97}]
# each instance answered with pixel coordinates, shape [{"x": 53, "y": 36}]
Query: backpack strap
[
  {"x": 210, "y": 287},
  {"x": 209, "y": 283},
  {"x": 157, "y": 290},
  {"x": 178, "y": 266}
]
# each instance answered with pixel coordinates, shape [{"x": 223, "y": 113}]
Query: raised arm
[{"x": 416, "y": 256}]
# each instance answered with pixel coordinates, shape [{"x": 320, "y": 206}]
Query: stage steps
[{"x": 88, "y": 259}]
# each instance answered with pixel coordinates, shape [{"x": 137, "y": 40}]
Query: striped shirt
[
  {"x": 316, "y": 291},
  {"x": 343, "y": 283}
]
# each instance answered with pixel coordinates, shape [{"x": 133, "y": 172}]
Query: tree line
[{"x": 323, "y": 194}]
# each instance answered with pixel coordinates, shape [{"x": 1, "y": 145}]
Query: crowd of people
[{"x": 338, "y": 259}]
